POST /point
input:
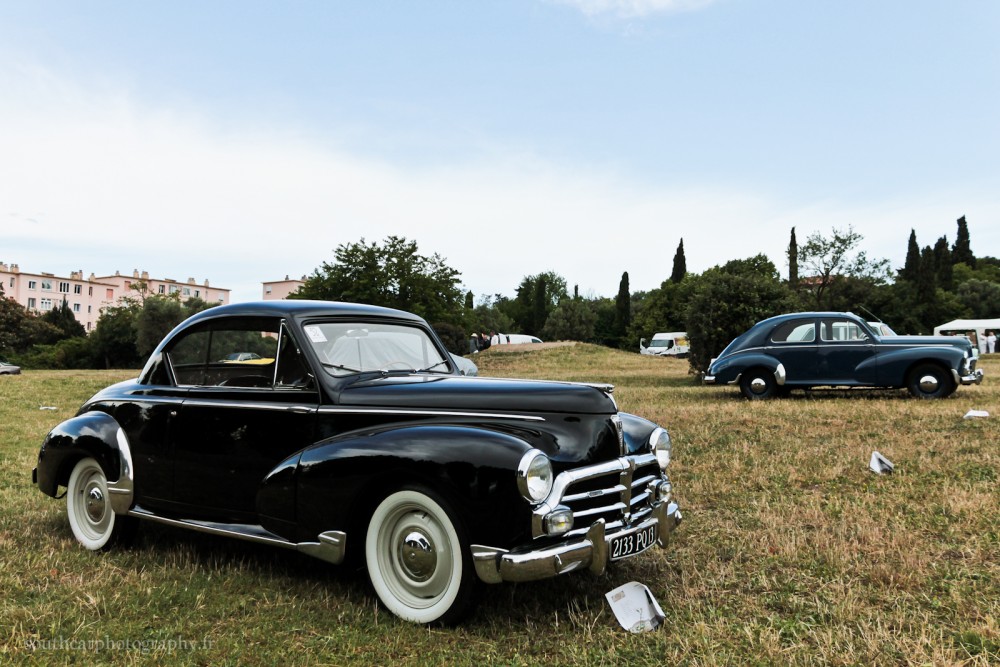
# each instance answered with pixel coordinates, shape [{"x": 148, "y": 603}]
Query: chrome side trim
[
  {"x": 122, "y": 491},
  {"x": 277, "y": 407},
  {"x": 331, "y": 545},
  {"x": 429, "y": 413}
]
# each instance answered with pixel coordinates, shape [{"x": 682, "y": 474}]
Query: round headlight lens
[
  {"x": 659, "y": 442},
  {"x": 534, "y": 476}
]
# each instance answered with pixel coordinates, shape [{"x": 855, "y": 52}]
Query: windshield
[{"x": 347, "y": 348}]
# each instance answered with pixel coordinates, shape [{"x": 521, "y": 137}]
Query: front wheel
[
  {"x": 94, "y": 523},
  {"x": 758, "y": 384},
  {"x": 930, "y": 381},
  {"x": 418, "y": 560}
]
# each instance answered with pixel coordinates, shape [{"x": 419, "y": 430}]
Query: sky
[{"x": 241, "y": 141}]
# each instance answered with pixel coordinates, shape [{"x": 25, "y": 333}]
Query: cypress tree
[
  {"x": 793, "y": 261},
  {"x": 962, "y": 250},
  {"x": 912, "y": 265},
  {"x": 943, "y": 259},
  {"x": 623, "y": 309},
  {"x": 680, "y": 264}
]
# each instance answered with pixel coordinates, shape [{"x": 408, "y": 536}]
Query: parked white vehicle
[
  {"x": 667, "y": 344},
  {"x": 514, "y": 339}
]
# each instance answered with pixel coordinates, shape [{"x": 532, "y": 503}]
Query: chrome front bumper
[
  {"x": 976, "y": 377},
  {"x": 495, "y": 565}
]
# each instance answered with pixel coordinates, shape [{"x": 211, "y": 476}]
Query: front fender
[
  {"x": 339, "y": 481},
  {"x": 93, "y": 434},
  {"x": 895, "y": 365}
]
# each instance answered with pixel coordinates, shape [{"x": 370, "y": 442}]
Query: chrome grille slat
[{"x": 616, "y": 491}]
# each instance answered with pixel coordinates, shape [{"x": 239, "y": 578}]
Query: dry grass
[{"x": 791, "y": 550}]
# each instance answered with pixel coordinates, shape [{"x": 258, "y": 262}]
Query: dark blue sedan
[{"x": 806, "y": 350}]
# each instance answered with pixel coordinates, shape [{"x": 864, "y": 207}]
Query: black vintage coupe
[{"x": 343, "y": 430}]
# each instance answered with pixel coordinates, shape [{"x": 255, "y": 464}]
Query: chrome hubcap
[
  {"x": 95, "y": 504},
  {"x": 758, "y": 385},
  {"x": 928, "y": 383},
  {"x": 417, "y": 555}
]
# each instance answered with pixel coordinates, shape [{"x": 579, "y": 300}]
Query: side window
[
  {"x": 235, "y": 352},
  {"x": 795, "y": 331},
  {"x": 841, "y": 331}
]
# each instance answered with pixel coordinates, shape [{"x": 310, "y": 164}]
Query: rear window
[{"x": 795, "y": 331}]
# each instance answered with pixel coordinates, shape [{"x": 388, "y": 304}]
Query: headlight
[
  {"x": 659, "y": 442},
  {"x": 534, "y": 476}
]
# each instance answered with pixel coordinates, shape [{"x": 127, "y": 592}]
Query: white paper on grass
[
  {"x": 635, "y": 608},
  {"x": 879, "y": 464},
  {"x": 971, "y": 414}
]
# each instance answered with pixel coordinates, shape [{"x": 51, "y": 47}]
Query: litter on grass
[
  {"x": 972, "y": 414},
  {"x": 635, "y": 607},
  {"x": 880, "y": 465}
]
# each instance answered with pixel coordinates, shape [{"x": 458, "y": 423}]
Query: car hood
[
  {"x": 479, "y": 394},
  {"x": 953, "y": 341}
]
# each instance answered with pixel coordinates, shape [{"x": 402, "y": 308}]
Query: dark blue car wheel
[{"x": 758, "y": 384}]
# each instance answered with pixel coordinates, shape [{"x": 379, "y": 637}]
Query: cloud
[
  {"x": 633, "y": 8},
  {"x": 112, "y": 184}
]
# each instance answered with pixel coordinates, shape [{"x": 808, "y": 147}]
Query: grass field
[{"x": 791, "y": 551}]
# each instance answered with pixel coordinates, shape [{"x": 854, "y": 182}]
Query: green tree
[
  {"x": 392, "y": 274},
  {"x": 623, "y": 311},
  {"x": 680, "y": 264},
  {"x": 911, "y": 267},
  {"x": 529, "y": 308},
  {"x": 714, "y": 317},
  {"x": 962, "y": 250},
  {"x": 981, "y": 298},
  {"x": 829, "y": 258},
  {"x": 114, "y": 337},
  {"x": 63, "y": 319},
  {"x": 944, "y": 263},
  {"x": 793, "y": 261},
  {"x": 572, "y": 319}
]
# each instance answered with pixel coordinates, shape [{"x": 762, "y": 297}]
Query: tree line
[{"x": 937, "y": 283}]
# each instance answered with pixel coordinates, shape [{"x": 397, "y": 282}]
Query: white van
[
  {"x": 668, "y": 344},
  {"x": 513, "y": 339}
]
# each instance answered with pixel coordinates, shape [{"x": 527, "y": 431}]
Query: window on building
[
  {"x": 47, "y": 285},
  {"x": 88, "y": 308},
  {"x": 64, "y": 288},
  {"x": 186, "y": 291},
  {"x": 110, "y": 294},
  {"x": 77, "y": 289},
  {"x": 88, "y": 326},
  {"x": 128, "y": 284},
  {"x": 76, "y": 308},
  {"x": 31, "y": 303},
  {"x": 90, "y": 291},
  {"x": 197, "y": 293},
  {"x": 163, "y": 288},
  {"x": 173, "y": 289},
  {"x": 32, "y": 284},
  {"x": 11, "y": 282},
  {"x": 267, "y": 290},
  {"x": 46, "y": 304}
]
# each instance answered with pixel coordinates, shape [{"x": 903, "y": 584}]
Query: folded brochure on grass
[{"x": 635, "y": 608}]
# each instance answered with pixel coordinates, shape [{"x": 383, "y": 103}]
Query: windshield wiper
[
  {"x": 341, "y": 367},
  {"x": 424, "y": 370}
]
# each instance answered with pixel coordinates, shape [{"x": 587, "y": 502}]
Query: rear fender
[{"x": 96, "y": 435}]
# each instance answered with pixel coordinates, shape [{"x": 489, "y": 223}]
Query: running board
[{"x": 331, "y": 545}]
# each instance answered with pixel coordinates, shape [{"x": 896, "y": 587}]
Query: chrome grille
[{"x": 616, "y": 491}]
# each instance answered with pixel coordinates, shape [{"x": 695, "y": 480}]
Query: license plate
[{"x": 632, "y": 543}]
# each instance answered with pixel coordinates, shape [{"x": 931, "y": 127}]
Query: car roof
[{"x": 301, "y": 308}]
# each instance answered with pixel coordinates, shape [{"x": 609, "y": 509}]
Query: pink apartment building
[
  {"x": 41, "y": 292},
  {"x": 280, "y": 289}
]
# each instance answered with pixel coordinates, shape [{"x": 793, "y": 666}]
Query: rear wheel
[
  {"x": 418, "y": 559},
  {"x": 758, "y": 384},
  {"x": 930, "y": 381},
  {"x": 88, "y": 505}
]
